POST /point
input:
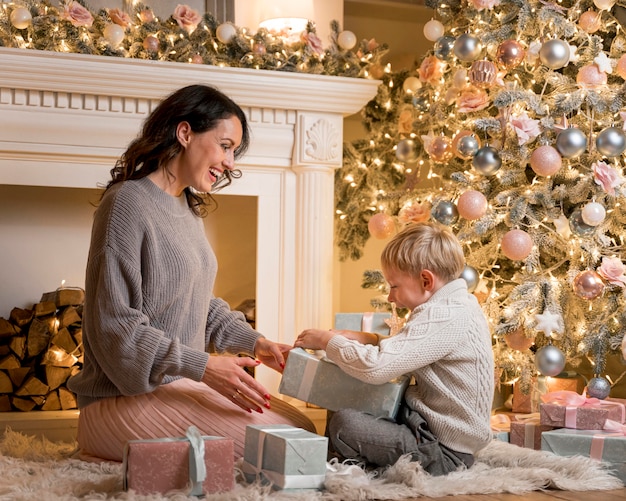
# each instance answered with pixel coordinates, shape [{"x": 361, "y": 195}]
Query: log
[
  {"x": 7, "y": 329},
  {"x": 18, "y": 346},
  {"x": 45, "y": 308},
  {"x": 59, "y": 357},
  {"x": 22, "y": 404},
  {"x": 56, "y": 376},
  {"x": 32, "y": 386},
  {"x": 21, "y": 317},
  {"x": 68, "y": 316},
  {"x": 10, "y": 362},
  {"x": 6, "y": 386},
  {"x": 52, "y": 402},
  {"x": 38, "y": 337},
  {"x": 67, "y": 398},
  {"x": 63, "y": 339},
  {"x": 70, "y": 296},
  {"x": 4, "y": 350},
  {"x": 18, "y": 375},
  {"x": 38, "y": 399},
  {"x": 5, "y": 403}
]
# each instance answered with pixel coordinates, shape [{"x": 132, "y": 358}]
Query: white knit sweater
[{"x": 446, "y": 347}]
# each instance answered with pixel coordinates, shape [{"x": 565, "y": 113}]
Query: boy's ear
[{"x": 428, "y": 280}]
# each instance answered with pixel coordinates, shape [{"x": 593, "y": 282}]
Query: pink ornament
[
  {"x": 517, "y": 340},
  {"x": 483, "y": 73},
  {"x": 381, "y": 226},
  {"x": 590, "y": 76},
  {"x": 472, "y": 205},
  {"x": 440, "y": 149},
  {"x": 516, "y": 245},
  {"x": 259, "y": 48},
  {"x": 510, "y": 54},
  {"x": 196, "y": 59},
  {"x": 151, "y": 43},
  {"x": 590, "y": 21},
  {"x": 620, "y": 68},
  {"x": 588, "y": 285},
  {"x": 146, "y": 16},
  {"x": 545, "y": 161}
]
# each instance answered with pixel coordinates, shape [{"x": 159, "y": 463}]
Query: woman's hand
[
  {"x": 227, "y": 376},
  {"x": 314, "y": 339},
  {"x": 271, "y": 354}
]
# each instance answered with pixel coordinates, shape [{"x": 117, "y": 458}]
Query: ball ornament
[
  {"x": 598, "y": 387},
  {"x": 604, "y": 4},
  {"x": 516, "y": 245},
  {"x": 440, "y": 149},
  {"x": 483, "y": 73},
  {"x": 517, "y": 340},
  {"x": 554, "y": 53},
  {"x": 510, "y": 54},
  {"x": 197, "y": 59},
  {"x": 593, "y": 213},
  {"x": 346, "y": 40},
  {"x": 620, "y": 67},
  {"x": 487, "y": 161},
  {"x": 571, "y": 142},
  {"x": 545, "y": 161},
  {"x": 465, "y": 144},
  {"x": 411, "y": 85},
  {"x": 443, "y": 47},
  {"x": 151, "y": 43},
  {"x": 445, "y": 212},
  {"x": 406, "y": 151},
  {"x": 470, "y": 275},
  {"x": 114, "y": 34},
  {"x": 433, "y": 30},
  {"x": 20, "y": 18},
  {"x": 578, "y": 226},
  {"x": 590, "y": 76},
  {"x": 381, "y": 226},
  {"x": 467, "y": 47},
  {"x": 549, "y": 360},
  {"x": 611, "y": 141},
  {"x": 588, "y": 285},
  {"x": 472, "y": 205},
  {"x": 590, "y": 21},
  {"x": 225, "y": 32}
]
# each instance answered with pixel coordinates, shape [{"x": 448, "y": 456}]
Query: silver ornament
[
  {"x": 470, "y": 275},
  {"x": 421, "y": 103},
  {"x": 578, "y": 226},
  {"x": 406, "y": 151},
  {"x": 467, "y": 47},
  {"x": 445, "y": 212},
  {"x": 611, "y": 141},
  {"x": 467, "y": 146},
  {"x": 487, "y": 161},
  {"x": 443, "y": 47},
  {"x": 549, "y": 360},
  {"x": 554, "y": 54},
  {"x": 598, "y": 387},
  {"x": 571, "y": 142}
]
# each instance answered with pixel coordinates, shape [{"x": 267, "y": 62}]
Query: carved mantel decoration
[{"x": 65, "y": 118}]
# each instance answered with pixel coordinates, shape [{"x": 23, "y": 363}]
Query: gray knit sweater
[
  {"x": 446, "y": 347},
  {"x": 149, "y": 315}
]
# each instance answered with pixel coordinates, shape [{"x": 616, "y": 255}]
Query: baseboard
[{"x": 56, "y": 426}]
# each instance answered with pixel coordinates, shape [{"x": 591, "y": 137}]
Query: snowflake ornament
[{"x": 548, "y": 322}]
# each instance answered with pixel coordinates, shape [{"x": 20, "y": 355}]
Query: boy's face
[{"x": 405, "y": 290}]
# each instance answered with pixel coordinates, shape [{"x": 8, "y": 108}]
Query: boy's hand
[{"x": 314, "y": 339}]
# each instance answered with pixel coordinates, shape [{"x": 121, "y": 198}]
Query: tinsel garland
[{"x": 145, "y": 36}]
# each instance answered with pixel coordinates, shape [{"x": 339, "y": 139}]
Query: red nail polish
[
  {"x": 249, "y": 411},
  {"x": 267, "y": 405},
  {"x": 282, "y": 366},
  {"x": 267, "y": 395},
  {"x": 259, "y": 410}
]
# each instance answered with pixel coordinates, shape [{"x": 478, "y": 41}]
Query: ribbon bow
[
  {"x": 197, "y": 468},
  {"x": 568, "y": 399}
]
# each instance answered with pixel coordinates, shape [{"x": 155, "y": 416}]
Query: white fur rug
[{"x": 36, "y": 469}]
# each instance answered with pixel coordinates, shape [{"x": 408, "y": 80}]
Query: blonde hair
[{"x": 425, "y": 246}]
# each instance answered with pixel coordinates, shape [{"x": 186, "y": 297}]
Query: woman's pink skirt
[{"x": 105, "y": 426}]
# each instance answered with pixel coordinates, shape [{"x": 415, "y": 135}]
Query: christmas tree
[{"x": 510, "y": 131}]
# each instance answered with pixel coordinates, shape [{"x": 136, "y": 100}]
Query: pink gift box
[
  {"x": 566, "y": 409},
  {"x": 195, "y": 465},
  {"x": 527, "y": 431}
]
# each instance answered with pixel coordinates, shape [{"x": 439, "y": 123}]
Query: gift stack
[
  {"x": 528, "y": 402},
  {"x": 585, "y": 426}
]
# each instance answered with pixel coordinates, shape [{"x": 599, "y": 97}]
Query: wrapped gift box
[
  {"x": 500, "y": 426},
  {"x": 365, "y": 322},
  {"x": 601, "y": 445},
  {"x": 319, "y": 381},
  {"x": 285, "y": 456},
  {"x": 568, "y": 409},
  {"x": 526, "y": 431},
  {"x": 529, "y": 403},
  {"x": 194, "y": 464}
]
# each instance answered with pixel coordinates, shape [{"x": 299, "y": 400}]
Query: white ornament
[
  {"x": 346, "y": 40},
  {"x": 548, "y": 322},
  {"x": 411, "y": 85},
  {"x": 573, "y": 56},
  {"x": 21, "y": 18},
  {"x": 593, "y": 213},
  {"x": 114, "y": 34},
  {"x": 562, "y": 226},
  {"x": 604, "y": 4},
  {"x": 433, "y": 30},
  {"x": 603, "y": 63},
  {"x": 225, "y": 32}
]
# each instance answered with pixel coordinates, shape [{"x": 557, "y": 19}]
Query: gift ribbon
[
  {"x": 572, "y": 401},
  {"x": 197, "y": 468},
  {"x": 367, "y": 321},
  {"x": 500, "y": 422},
  {"x": 308, "y": 375},
  {"x": 530, "y": 421},
  {"x": 614, "y": 429},
  {"x": 280, "y": 479}
]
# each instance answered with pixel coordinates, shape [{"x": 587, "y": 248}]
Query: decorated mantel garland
[{"x": 186, "y": 36}]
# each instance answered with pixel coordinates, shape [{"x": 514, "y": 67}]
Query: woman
[{"x": 150, "y": 318}]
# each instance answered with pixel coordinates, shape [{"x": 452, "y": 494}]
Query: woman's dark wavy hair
[{"x": 202, "y": 106}]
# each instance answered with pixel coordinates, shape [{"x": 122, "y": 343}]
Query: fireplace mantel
[{"x": 65, "y": 119}]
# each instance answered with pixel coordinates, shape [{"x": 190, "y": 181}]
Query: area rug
[{"x": 37, "y": 469}]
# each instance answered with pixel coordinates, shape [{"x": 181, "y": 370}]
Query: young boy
[{"x": 445, "y": 346}]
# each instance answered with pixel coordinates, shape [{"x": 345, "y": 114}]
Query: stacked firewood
[{"x": 40, "y": 348}]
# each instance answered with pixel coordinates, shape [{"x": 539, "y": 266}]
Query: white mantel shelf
[{"x": 66, "y": 118}]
